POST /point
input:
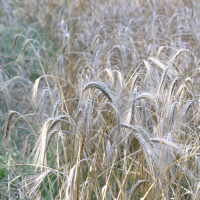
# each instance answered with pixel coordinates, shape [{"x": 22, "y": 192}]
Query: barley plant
[{"x": 100, "y": 99}]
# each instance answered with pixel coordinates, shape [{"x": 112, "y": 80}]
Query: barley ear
[
  {"x": 186, "y": 108},
  {"x": 55, "y": 108},
  {"x": 117, "y": 115},
  {"x": 116, "y": 137},
  {"x": 161, "y": 127},
  {"x": 172, "y": 115},
  {"x": 8, "y": 123},
  {"x": 15, "y": 41},
  {"x": 162, "y": 79},
  {"x": 42, "y": 100},
  {"x": 172, "y": 87},
  {"x": 115, "y": 78},
  {"x": 101, "y": 87},
  {"x": 189, "y": 80},
  {"x": 94, "y": 96},
  {"x": 86, "y": 113},
  {"x": 40, "y": 146},
  {"x": 20, "y": 57},
  {"x": 25, "y": 145},
  {"x": 108, "y": 150},
  {"x": 109, "y": 72},
  {"x": 132, "y": 190},
  {"x": 35, "y": 89},
  {"x": 147, "y": 68},
  {"x": 147, "y": 96},
  {"x": 144, "y": 114},
  {"x": 158, "y": 63},
  {"x": 177, "y": 54},
  {"x": 133, "y": 105},
  {"x": 134, "y": 81},
  {"x": 58, "y": 119},
  {"x": 52, "y": 133},
  {"x": 38, "y": 181},
  {"x": 180, "y": 89},
  {"x": 120, "y": 79}
]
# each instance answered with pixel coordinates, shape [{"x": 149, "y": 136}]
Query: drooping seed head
[
  {"x": 7, "y": 125},
  {"x": 20, "y": 57},
  {"x": 101, "y": 87}
]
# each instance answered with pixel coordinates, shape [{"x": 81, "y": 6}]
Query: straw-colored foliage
[{"x": 100, "y": 99}]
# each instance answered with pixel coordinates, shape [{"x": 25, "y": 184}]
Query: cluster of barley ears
[{"x": 112, "y": 110}]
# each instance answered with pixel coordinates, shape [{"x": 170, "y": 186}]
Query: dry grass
[{"x": 100, "y": 100}]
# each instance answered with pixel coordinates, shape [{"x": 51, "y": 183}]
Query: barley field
[{"x": 100, "y": 100}]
